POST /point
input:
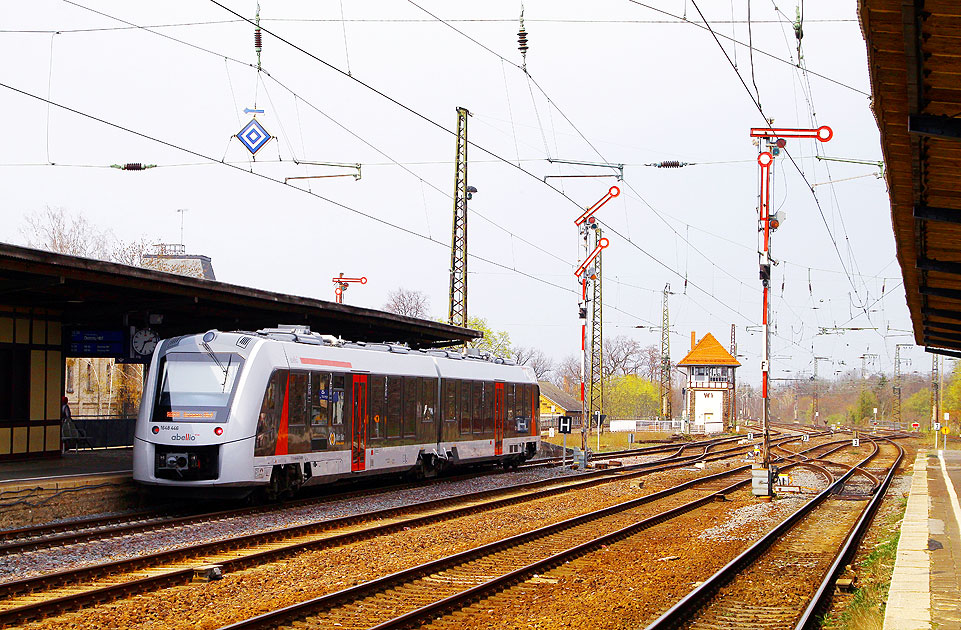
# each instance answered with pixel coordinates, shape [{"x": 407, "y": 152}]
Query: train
[{"x": 230, "y": 414}]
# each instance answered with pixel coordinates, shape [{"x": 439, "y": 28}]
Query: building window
[
  {"x": 70, "y": 377},
  {"x": 89, "y": 384}
]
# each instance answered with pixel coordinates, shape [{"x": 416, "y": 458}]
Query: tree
[
  {"x": 631, "y": 396},
  {"x": 567, "y": 375},
  {"x": 496, "y": 342},
  {"x": 623, "y": 355},
  {"x": 408, "y": 302},
  {"x": 535, "y": 359},
  {"x": 56, "y": 230},
  {"x": 864, "y": 408}
]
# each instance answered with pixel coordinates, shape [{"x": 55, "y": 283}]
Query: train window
[
  {"x": 536, "y": 409},
  {"x": 269, "y": 420},
  {"x": 428, "y": 399},
  {"x": 450, "y": 400},
  {"x": 337, "y": 399},
  {"x": 465, "y": 412},
  {"x": 297, "y": 399},
  {"x": 319, "y": 396},
  {"x": 509, "y": 411},
  {"x": 378, "y": 407},
  {"x": 477, "y": 398},
  {"x": 394, "y": 406},
  {"x": 524, "y": 402},
  {"x": 488, "y": 407},
  {"x": 410, "y": 406}
]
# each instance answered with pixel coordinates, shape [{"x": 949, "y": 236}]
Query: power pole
[
  {"x": 457, "y": 312},
  {"x": 732, "y": 421},
  {"x": 586, "y": 273},
  {"x": 896, "y": 403},
  {"x": 815, "y": 410},
  {"x": 666, "y": 410},
  {"x": 935, "y": 389},
  {"x": 596, "y": 407}
]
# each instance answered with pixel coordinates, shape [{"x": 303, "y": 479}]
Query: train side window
[
  {"x": 536, "y": 409},
  {"x": 337, "y": 399},
  {"x": 524, "y": 403},
  {"x": 428, "y": 399},
  {"x": 488, "y": 407},
  {"x": 477, "y": 398},
  {"x": 394, "y": 406},
  {"x": 410, "y": 405},
  {"x": 378, "y": 407},
  {"x": 465, "y": 411},
  {"x": 297, "y": 399},
  {"x": 509, "y": 411},
  {"x": 319, "y": 399},
  {"x": 450, "y": 400}
]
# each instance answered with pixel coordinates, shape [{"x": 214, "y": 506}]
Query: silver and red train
[{"x": 226, "y": 413}]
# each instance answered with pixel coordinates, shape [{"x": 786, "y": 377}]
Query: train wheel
[{"x": 428, "y": 467}]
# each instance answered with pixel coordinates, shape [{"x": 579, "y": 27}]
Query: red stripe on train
[{"x": 309, "y": 361}]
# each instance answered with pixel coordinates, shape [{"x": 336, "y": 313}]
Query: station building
[
  {"x": 556, "y": 402},
  {"x": 710, "y": 391},
  {"x": 54, "y": 307}
]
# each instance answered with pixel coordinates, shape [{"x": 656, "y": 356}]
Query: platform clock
[{"x": 143, "y": 341}]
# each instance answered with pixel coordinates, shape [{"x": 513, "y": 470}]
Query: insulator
[
  {"x": 133, "y": 166},
  {"x": 522, "y": 41},
  {"x": 669, "y": 164},
  {"x": 258, "y": 39}
]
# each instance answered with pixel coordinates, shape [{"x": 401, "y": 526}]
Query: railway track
[
  {"x": 99, "y": 528},
  {"x": 785, "y": 579},
  {"x": 420, "y": 594},
  {"x": 69, "y": 589}
]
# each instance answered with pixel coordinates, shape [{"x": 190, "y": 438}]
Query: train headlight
[
  {"x": 155, "y": 430},
  {"x": 209, "y": 336},
  {"x": 219, "y": 431}
]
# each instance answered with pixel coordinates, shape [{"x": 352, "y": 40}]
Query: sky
[{"x": 377, "y": 83}]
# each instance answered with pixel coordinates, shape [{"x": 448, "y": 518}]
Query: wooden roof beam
[
  {"x": 935, "y": 126},
  {"x": 941, "y": 326},
  {"x": 943, "y": 266},
  {"x": 933, "y": 213},
  {"x": 943, "y": 351},
  {"x": 941, "y": 312},
  {"x": 951, "y": 294}
]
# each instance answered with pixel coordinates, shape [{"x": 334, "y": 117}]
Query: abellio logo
[{"x": 186, "y": 437}]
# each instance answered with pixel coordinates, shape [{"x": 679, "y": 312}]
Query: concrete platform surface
[
  {"x": 926, "y": 583},
  {"x": 71, "y": 469}
]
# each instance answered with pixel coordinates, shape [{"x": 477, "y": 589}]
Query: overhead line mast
[
  {"x": 666, "y": 411},
  {"x": 457, "y": 309}
]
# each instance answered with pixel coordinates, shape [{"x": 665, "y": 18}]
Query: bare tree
[
  {"x": 535, "y": 359},
  {"x": 56, "y": 230},
  {"x": 408, "y": 302},
  {"x": 567, "y": 375},
  {"x": 623, "y": 355}
]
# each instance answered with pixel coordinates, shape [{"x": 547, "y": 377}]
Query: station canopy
[
  {"x": 914, "y": 56},
  {"x": 93, "y": 294}
]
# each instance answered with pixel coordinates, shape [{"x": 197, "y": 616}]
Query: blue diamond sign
[{"x": 254, "y": 136}]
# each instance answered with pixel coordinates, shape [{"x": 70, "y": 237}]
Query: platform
[
  {"x": 926, "y": 583},
  {"x": 72, "y": 469}
]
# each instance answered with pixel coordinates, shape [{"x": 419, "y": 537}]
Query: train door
[
  {"x": 358, "y": 439},
  {"x": 498, "y": 418}
]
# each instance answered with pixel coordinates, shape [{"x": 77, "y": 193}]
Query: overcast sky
[{"x": 610, "y": 81}]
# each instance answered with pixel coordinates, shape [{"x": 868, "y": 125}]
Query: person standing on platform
[{"x": 65, "y": 410}]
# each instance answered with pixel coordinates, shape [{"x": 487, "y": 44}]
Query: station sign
[
  {"x": 856, "y": 442},
  {"x": 805, "y": 437},
  {"x": 564, "y": 424},
  {"x": 937, "y": 426},
  {"x": 96, "y": 343}
]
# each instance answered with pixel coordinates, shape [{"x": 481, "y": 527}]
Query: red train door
[
  {"x": 498, "y": 418},
  {"x": 358, "y": 440}
]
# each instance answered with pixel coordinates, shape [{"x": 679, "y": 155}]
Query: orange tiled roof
[{"x": 708, "y": 352}]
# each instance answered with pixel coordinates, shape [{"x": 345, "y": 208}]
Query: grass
[
  {"x": 609, "y": 441},
  {"x": 865, "y": 609}
]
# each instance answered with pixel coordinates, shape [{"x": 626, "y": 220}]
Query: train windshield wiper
[{"x": 216, "y": 360}]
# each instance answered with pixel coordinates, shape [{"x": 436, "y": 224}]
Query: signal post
[{"x": 770, "y": 143}]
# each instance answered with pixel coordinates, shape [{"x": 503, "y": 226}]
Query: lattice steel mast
[
  {"x": 596, "y": 390},
  {"x": 732, "y": 421},
  {"x": 457, "y": 312},
  {"x": 896, "y": 402},
  {"x": 666, "y": 411}
]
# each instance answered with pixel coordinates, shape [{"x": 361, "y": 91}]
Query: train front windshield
[{"x": 196, "y": 386}]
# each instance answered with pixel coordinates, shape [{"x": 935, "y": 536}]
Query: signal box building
[{"x": 710, "y": 385}]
